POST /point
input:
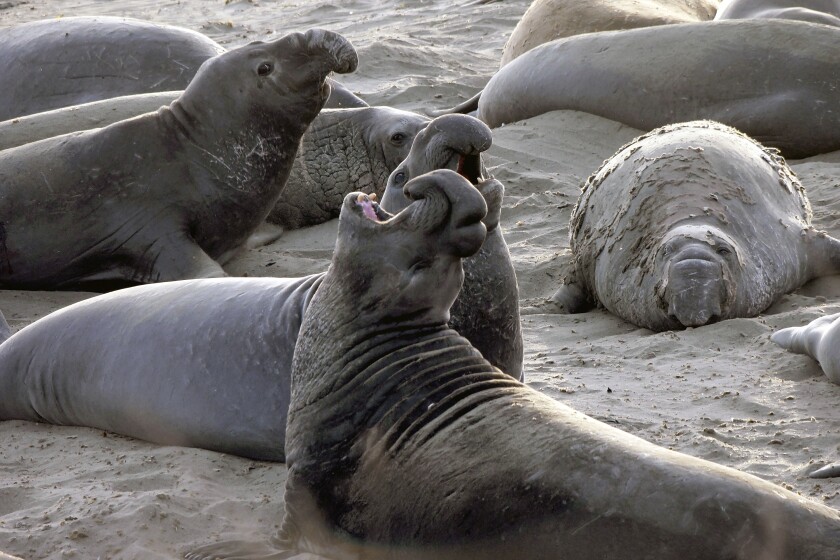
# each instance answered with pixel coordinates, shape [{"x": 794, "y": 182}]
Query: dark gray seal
[
  {"x": 73, "y": 60},
  {"x": 207, "y": 363},
  {"x": 405, "y": 444},
  {"x": 165, "y": 195},
  {"x": 826, "y": 12},
  {"x": 690, "y": 224},
  {"x": 774, "y": 80}
]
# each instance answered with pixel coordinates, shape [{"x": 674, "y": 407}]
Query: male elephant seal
[
  {"x": 404, "y": 443},
  {"x": 826, "y": 12},
  {"x": 159, "y": 197},
  {"x": 72, "y": 60},
  {"x": 207, "y": 363},
  {"x": 819, "y": 339},
  {"x": 774, "y": 80},
  {"x": 546, "y": 20},
  {"x": 690, "y": 224}
]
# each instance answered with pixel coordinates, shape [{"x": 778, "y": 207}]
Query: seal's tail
[{"x": 5, "y": 329}]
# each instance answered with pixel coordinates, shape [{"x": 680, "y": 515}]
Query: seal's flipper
[
  {"x": 180, "y": 260},
  {"x": 823, "y": 254},
  {"x": 5, "y": 329},
  {"x": 571, "y": 298},
  {"x": 468, "y": 107}
]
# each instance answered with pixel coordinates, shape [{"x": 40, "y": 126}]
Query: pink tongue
[{"x": 367, "y": 208}]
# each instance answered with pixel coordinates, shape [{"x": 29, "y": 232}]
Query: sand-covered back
[{"x": 722, "y": 392}]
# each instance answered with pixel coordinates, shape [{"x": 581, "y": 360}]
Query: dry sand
[{"x": 722, "y": 392}]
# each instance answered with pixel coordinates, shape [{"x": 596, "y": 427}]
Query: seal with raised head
[
  {"x": 819, "y": 339},
  {"x": 691, "y": 224},
  {"x": 405, "y": 444},
  {"x": 826, "y": 12},
  {"x": 772, "y": 79},
  {"x": 207, "y": 363},
  {"x": 166, "y": 195},
  {"x": 68, "y": 61}
]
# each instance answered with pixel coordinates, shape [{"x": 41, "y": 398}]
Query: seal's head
[
  {"x": 699, "y": 265},
  {"x": 449, "y": 142},
  {"x": 393, "y": 131},
  {"x": 271, "y": 82},
  {"x": 408, "y": 265}
]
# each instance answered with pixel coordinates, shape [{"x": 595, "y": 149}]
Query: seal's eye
[
  {"x": 397, "y": 138},
  {"x": 264, "y": 69},
  {"x": 399, "y": 177},
  {"x": 723, "y": 251}
]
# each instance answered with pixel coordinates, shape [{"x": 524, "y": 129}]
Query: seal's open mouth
[
  {"x": 469, "y": 167},
  {"x": 370, "y": 208}
]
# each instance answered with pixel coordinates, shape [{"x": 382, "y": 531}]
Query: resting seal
[
  {"x": 342, "y": 149},
  {"x": 73, "y": 60},
  {"x": 404, "y": 443},
  {"x": 165, "y": 195},
  {"x": 774, "y": 80},
  {"x": 690, "y": 224},
  {"x": 206, "y": 363},
  {"x": 546, "y": 20},
  {"x": 819, "y": 339},
  {"x": 826, "y": 12}
]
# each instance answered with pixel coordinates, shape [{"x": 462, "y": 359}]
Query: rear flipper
[
  {"x": 818, "y": 339},
  {"x": 466, "y": 108}
]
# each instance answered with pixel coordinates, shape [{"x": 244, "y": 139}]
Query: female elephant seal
[
  {"x": 207, "y": 363},
  {"x": 69, "y": 61},
  {"x": 165, "y": 195},
  {"x": 819, "y": 339},
  {"x": 690, "y": 224},
  {"x": 826, "y": 12},
  {"x": 404, "y": 443},
  {"x": 774, "y": 80}
]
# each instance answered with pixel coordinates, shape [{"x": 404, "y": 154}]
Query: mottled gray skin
[
  {"x": 487, "y": 309},
  {"x": 826, "y": 12},
  {"x": 691, "y": 224},
  {"x": 404, "y": 443},
  {"x": 165, "y": 195},
  {"x": 819, "y": 339},
  {"x": 774, "y": 80},
  {"x": 73, "y": 60},
  {"x": 200, "y": 363},
  {"x": 344, "y": 150}
]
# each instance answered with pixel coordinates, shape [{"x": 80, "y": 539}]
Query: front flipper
[
  {"x": 178, "y": 258},
  {"x": 571, "y": 298}
]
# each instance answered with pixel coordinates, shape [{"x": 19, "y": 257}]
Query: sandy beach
[{"x": 722, "y": 392}]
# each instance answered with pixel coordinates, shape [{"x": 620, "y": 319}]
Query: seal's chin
[{"x": 370, "y": 208}]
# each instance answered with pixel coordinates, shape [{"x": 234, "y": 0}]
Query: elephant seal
[
  {"x": 690, "y": 224},
  {"x": 354, "y": 147},
  {"x": 207, "y": 363},
  {"x": 404, "y": 443},
  {"x": 69, "y": 61},
  {"x": 546, "y": 20},
  {"x": 487, "y": 309},
  {"x": 773, "y": 80},
  {"x": 819, "y": 339},
  {"x": 826, "y": 12},
  {"x": 165, "y": 195}
]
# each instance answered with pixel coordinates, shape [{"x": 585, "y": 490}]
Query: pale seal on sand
[
  {"x": 342, "y": 150},
  {"x": 405, "y": 444},
  {"x": 165, "y": 195},
  {"x": 826, "y": 12},
  {"x": 819, "y": 339},
  {"x": 207, "y": 363},
  {"x": 690, "y": 224},
  {"x": 68, "y": 61},
  {"x": 774, "y": 80},
  {"x": 546, "y": 20}
]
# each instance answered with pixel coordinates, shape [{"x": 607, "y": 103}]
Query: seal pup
[
  {"x": 68, "y": 61},
  {"x": 819, "y": 339},
  {"x": 826, "y": 12},
  {"x": 546, "y": 20},
  {"x": 487, "y": 309},
  {"x": 404, "y": 443},
  {"x": 165, "y": 195},
  {"x": 207, "y": 363},
  {"x": 772, "y": 79},
  {"x": 690, "y": 224}
]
